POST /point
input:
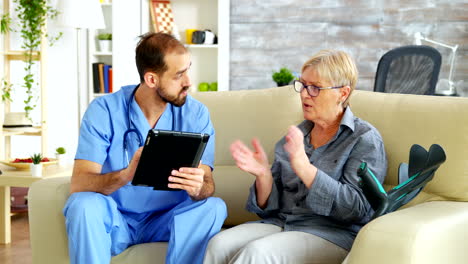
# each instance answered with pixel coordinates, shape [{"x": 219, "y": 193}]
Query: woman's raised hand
[
  {"x": 295, "y": 144},
  {"x": 254, "y": 162},
  {"x": 298, "y": 158}
]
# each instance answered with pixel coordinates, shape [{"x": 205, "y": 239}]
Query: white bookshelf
[
  {"x": 210, "y": 63},
  {"x": 94, "y": 52},
  {"x": 127, "y": 20}
]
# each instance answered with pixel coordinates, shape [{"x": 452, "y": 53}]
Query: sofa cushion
[
  {"x": 143, "y": 253},
  {"x": 232, "y": 185}
]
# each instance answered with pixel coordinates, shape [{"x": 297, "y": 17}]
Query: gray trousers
[{"x": 265, "y": 243}]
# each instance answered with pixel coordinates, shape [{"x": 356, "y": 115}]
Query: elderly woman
[{"x": 309, "y": 201}]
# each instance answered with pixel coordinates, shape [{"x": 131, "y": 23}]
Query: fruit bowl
[{"x": 25, "y": 165}]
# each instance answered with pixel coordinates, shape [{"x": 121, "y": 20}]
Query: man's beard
[{"x": 177, "y": 100}]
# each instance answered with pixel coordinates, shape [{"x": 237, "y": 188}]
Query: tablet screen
[{"x": 165, "y": 151}]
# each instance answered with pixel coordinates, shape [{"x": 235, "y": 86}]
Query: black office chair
[{"x": 412, "y": 69}]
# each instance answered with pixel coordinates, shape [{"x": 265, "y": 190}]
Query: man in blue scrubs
[{"x": 105, "y": 214}]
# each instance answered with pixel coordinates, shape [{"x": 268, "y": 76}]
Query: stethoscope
[{"x": 134, "y": 130}]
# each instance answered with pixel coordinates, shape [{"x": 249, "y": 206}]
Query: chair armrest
[
  {"x": 429, "y": 233},
  {"x": 48, "y": 235}
]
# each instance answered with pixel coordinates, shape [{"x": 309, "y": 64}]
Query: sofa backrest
[
  {"x": 265, "y": 114},
  {"x": 402, "y": 119}
]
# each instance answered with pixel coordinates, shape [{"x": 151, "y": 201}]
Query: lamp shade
[{"x": 81, "y": 14}]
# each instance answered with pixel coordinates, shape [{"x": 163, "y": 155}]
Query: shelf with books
[
  {"x": 102, "y": 78},
  {"x": 100, "y": 59},
  {"x": 210, "y": 62},
  {"x": 125, "y": 20}
]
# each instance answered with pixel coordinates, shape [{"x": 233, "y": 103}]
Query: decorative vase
[
  {"x": 36, "y": 170},
  {"x": 60, "y": 159},
  {"x": 105, "y": 45}
]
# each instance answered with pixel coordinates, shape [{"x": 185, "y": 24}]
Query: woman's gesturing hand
[
  {"x": 298, "y": 158},
  {"x": 254, "y": 162}
]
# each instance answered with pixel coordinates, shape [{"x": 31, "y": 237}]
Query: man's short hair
[
  {"x": 151, "y": 51},
  {"x": 335, "y": 66}
]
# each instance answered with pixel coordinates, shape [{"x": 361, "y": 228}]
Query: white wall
[{"x": 62, "y": 90}]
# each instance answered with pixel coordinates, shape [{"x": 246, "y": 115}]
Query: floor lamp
[{"x": 80, "y": 14}]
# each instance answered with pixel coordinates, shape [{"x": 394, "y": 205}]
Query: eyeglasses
[{"x": 312, "y": 90}]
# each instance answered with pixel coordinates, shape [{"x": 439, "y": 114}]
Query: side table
[{"x": 20, "y": 178}]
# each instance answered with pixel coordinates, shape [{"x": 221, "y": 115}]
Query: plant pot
[
  {"x": 60, "y": 159},
  {"x": 281, "y": 84},
  {"x": 105, "y": 45},
  {"x": 36, "y": 170}
]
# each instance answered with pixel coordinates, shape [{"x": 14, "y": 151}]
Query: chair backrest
[{"x": 412, "y": 69}]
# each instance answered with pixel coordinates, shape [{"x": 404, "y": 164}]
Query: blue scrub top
[{"x": 101, "y": 141}]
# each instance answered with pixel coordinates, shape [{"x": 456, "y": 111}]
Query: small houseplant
[
  {"x": 283, "y": 77},
  {"x": 105, "y": 40},
  {"x": 60, "y": 150},
  {"x": 36, "y": 166},
  {"x": 60, "y": 155}
]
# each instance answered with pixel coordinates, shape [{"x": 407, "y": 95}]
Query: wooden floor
[{"x": 19, "y": 251}]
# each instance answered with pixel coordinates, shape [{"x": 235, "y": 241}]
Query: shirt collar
[
  {"x": 128, "y": 91},
  {"x": 346, "y": 121},
  {"x": 138, "y": 119}
]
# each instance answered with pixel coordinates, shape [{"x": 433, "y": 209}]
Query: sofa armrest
[
  {"x": 48, "y": 235},
  {"x": 433, "y": 232}
]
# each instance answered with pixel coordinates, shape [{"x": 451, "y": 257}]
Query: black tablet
[{"x": 165, "y": 151}]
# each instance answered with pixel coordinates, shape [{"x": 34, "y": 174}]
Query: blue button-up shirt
[{"x": 334, "y": 208}]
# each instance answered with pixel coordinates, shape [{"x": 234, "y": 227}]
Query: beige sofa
[{"x": 432, "y": 230}]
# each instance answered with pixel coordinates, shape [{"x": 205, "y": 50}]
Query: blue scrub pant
[{"x": 97, "y": 230}]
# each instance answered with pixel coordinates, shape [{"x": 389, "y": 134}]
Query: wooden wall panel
[{"x": 269, "y": 34}]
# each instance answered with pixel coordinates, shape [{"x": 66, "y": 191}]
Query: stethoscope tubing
[{"x": 134, "y": 130}]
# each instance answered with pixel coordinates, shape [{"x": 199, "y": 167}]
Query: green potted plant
[
  {"x": 60, "y": 155},
  {"x": 36, "y": 166},
  {"x": 105, "y": 40},
  {"x": 283, "y": 77},
  {"x": 32, "y": 16}
]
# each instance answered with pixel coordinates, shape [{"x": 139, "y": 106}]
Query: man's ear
[{"x": 151, "y": 79}]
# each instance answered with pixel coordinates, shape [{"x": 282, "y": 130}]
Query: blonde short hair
[{"x": 335, "y": 66}]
